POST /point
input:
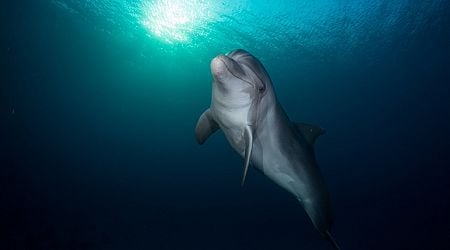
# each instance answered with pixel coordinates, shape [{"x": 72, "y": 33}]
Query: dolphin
[{"x": 244, "y": 106}]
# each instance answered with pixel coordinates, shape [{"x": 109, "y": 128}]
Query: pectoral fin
[
  {"x": 248, "y": 140},
  {"x": 310, "y": 132},
  {"x": 206, "y": 126}
]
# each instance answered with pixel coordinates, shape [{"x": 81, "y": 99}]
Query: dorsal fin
[{"x": 309, "y": 131}]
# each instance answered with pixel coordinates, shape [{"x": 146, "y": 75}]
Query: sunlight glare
[{"x": 175, "y": 20}]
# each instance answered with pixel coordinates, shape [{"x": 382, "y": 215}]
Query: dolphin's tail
[{"x": 332, "y": 240}]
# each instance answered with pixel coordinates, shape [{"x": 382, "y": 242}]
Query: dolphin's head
[
  {"x": 238, "y": 70},
  {"x": 240, "y": 82}
]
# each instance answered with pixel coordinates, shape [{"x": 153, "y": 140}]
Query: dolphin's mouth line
[{"x": 229, "y": 71}]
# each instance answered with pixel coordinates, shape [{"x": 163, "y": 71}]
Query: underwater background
[{"x": 99, "y": 100}]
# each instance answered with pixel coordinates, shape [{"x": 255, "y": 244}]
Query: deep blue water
[{"x": 97, "y": 112}]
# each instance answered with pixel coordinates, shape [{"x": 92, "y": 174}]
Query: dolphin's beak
[
  {"x": 219, "y": 68},
  {"x": 223, "y": 66}
]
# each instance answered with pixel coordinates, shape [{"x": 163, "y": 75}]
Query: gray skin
[{"x": 245, "y": 108}]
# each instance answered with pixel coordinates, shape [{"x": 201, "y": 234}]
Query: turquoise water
[
  {"x": 300, "y": 31},
  {"x": 99, "y": 100}
]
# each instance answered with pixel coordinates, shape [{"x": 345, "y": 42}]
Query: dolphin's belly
[
  {"x": 232, "y": 123},
  {"x": 283, "y": 160},
  {"x": 235, "y": 137},
  {"x": 280, "y": 169}
]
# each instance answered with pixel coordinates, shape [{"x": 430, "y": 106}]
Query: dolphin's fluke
[
  {"x": 332, "y": 240},
  {"x": 248, "y": 138}
]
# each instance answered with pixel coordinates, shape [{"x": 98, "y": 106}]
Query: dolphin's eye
[{"x": 262, "y": 88}]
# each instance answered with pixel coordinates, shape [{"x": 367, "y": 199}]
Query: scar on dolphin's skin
[{"x": 258, "y": 129}]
